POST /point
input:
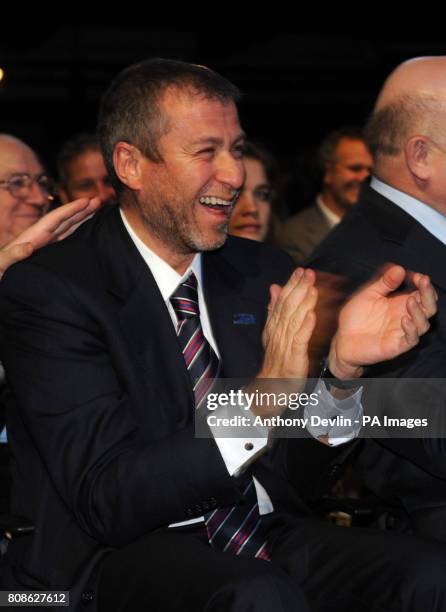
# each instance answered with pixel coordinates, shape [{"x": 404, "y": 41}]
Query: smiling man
[
  {"x": 25, "y": 189},
  {"x": 120, "y": 330},
  {"x": 345, "y": 162},
  {"x": 186, "y": 199},
  {"x": 82, "y": 172}
]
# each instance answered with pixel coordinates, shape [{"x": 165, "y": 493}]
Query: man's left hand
[
  {"x": 377, "y": 324},
  {"x": 54, "y": 226}
]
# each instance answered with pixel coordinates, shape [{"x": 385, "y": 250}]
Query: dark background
[{"x": 301, "y": 76}]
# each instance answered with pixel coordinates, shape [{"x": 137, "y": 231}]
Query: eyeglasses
[{"x": 20, "y": 184}]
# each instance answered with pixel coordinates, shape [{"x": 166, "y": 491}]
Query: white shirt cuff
[{"x": 339, "y": 420}]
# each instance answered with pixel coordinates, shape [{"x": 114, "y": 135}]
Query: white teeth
[{"x": 213, "y": 201}]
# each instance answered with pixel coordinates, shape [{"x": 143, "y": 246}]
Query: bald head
[
  {"x": 412, "y": 101},
  {"x": 407, "y": 130},
  {"x": 422, "y": 76},
  {"x": 19, "y": 207},
  {"x": 10, "y": 145}
]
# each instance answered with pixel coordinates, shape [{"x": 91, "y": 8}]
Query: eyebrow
[
  {"x": 217, "y": 141},
  {"x": 22, "y": 173}
]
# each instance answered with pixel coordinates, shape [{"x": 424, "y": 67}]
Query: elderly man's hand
[
  {"x": 56, "y": 225},
  {"x": 377, "y": 324}
]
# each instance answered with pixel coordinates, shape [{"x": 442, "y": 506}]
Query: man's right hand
[
  {"x": 56, "y": 225},
  {"x": 288, "y": 329}
]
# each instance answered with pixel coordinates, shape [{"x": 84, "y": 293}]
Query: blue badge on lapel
[{"x": 244, "y": 318}]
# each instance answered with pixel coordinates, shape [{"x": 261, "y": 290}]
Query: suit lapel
[
  {"x": 147, "y": 327},
  {"x": 237, "y": 314},
  {"x": 410, "y": 245}
]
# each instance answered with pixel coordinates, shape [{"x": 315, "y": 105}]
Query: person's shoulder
[
  {"x": 259, "y": 261},
  {"x": 243, "y": 250},
  {"x": 310, "y": 213},
  {"x": 356, "y": 246},
  {"x": 75, "y": 257},
  {"x": 297, "y": 226}
]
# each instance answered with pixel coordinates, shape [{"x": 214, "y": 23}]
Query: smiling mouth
[{"x": 215, "y": 203}]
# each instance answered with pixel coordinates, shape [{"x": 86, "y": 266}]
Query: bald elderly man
[
  {"x": 401, "y": 218},
  {"x": 25, "y": 189}
]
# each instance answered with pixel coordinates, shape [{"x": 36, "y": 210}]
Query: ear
[
  {"x": 127, "y": 163},
  {"x": 417, "y": 152}
]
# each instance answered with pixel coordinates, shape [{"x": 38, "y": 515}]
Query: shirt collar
[
  {"x": 165, "y": 276},
  {"x": 433, "y": 221},
  {"x": 332, "y": 218}
]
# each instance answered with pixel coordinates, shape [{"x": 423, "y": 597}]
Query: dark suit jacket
[
  {"x": 102, "y": 437},
  {"x": 303, "y": 232},
  {"x": 376, "y": 231}
]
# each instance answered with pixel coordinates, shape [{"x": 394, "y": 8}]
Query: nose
[
  {"x": 247, "y": 204},
  {"x": 230, "y": 170}
]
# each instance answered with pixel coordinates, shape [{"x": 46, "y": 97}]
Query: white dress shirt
[{"x": 332, "y": 218}]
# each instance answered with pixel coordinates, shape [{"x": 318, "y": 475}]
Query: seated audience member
[
  {"x": 54, "y": 226},
  {"x": 345, "y": 162},
  {"x": 25, "y": 195},
  {"x": 401, "y": 217},
  {"x": 82, "y": 172},
  {"x": 120, "y": 330},
  {"x": 25, "y": 190},
  {"x": 253, "y": 211}
]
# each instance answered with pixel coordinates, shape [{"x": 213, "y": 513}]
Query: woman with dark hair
[{"x": 252, "y": 215}]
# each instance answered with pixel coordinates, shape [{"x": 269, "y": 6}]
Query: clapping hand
[{"x": 377, "y": 324}]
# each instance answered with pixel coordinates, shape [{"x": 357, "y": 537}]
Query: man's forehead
[
  {"x": 197, "y": 111},
  {"x": 88, "y": 158},
  {"x": 348, "y": 147},
  {"x": 17, "y": 157}
]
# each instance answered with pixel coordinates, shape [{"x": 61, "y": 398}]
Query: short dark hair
[
  {"x": 327, "y": 148},
  {"x": 72, "y": 148},
  {"x": 258, "y": 151},
  {"x": 130, "y": 109}
]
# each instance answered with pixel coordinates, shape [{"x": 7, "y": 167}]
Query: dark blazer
[
  {"x": 374, "y": 232},
  {"x": 303, "y": 232},
  {"x": 102, "y": 437}
]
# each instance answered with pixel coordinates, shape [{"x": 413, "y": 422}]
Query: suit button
[
  {"x": 249, "y": 446},
  {"x": 87, "y": 596}
]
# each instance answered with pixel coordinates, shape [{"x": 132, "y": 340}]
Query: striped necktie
[
  {"x": 236, "y": 529},
  {"x": 201, "y": 361}
]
